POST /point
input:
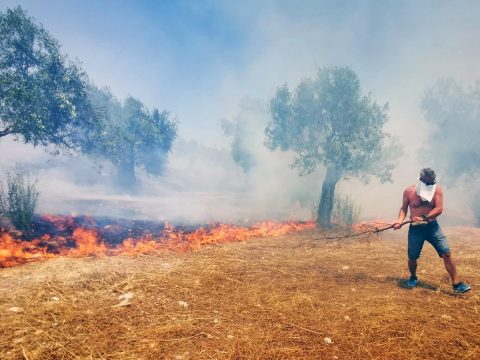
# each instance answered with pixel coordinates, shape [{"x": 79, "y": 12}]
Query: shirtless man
[{"x": 425, "y": 201}]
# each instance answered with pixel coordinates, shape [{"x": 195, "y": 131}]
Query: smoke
[
  {"x": 201, "y": 185},
  {"x": 201, "y": 74}
]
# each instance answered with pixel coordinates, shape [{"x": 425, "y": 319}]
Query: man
[{"x": 425, "y": 200}]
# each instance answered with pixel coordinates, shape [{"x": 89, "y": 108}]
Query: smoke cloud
[{"x": 202, "y": 73}]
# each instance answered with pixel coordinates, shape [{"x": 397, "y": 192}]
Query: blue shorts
[{"x": 430, "y": 232}]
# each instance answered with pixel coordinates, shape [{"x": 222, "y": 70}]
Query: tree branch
[
  {"x": 5, "y": 132},
  {"x": 59, "y": 140}
]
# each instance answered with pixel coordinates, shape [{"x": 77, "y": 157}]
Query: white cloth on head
[{"x": 426, "y": 192}]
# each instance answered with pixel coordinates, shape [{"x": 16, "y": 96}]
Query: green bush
[
  {"x": 19, "y": 201},
  {"x": 345, "y": 211}
]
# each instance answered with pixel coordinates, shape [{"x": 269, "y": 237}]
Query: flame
[
  {"x": 86, "y": 240},
  {"x": 375, "y": 224},
  {"x": 14, "y": 252},
  {"x": 61, "y": 223}
]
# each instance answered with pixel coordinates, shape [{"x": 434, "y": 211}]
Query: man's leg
[
  {"x": 458, "y": 287},
  {"x": 439, "y": 241},
  {"x": 450, "y": 266},
  {"x": 415, "y": 244},
  {"x": 412, "y": 266}
]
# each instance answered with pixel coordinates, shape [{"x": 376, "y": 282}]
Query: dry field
[{"x": 292, "y": 297}]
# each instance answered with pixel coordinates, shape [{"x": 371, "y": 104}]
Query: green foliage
[
  {"x": 19, "y": 201},
  {"x": 128, "y": 135},
  {"x": 345, "y": 211},
  {"x": 43, "y": 98},
  {"x": 327, "y": 121}
]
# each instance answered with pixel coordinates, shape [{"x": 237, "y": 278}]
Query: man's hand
[
  {"x": 397, "y": 225},
  {"x": 418, "y": 218}
]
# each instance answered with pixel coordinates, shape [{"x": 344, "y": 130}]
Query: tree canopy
[
  {"x": 43, "y": 97},
  {"x": 128, "y": 135},
  {"x": 327, "y": 121},
  {"x": 46, "y": 99}
]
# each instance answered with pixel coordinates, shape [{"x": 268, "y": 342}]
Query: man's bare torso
[{"x": 417, "y": 206}]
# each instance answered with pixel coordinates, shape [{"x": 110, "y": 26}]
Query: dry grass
[{"x": 270, "y": 298}]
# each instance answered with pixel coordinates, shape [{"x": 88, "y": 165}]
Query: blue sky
[
  {"x": 198, "y": 59},
  {"x": 168, "y": 53}
]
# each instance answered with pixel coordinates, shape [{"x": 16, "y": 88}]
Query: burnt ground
[{"x": 297, "y": 296}]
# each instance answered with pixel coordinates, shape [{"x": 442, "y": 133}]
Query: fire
[
  {"x": 81, "y": 237},
  {"x": 14, "y": 252},
  {"x": 371, "y": 225},
  {"x": 61, "y": 223},
  {"x": 138, "y": 247},
  {"x": 87, "y": 242}
]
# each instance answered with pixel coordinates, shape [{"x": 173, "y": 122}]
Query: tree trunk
[
  {"x": 126, "y": 173},
  {"x": 326, "y": 200}
]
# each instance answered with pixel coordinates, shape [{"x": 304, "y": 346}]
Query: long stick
[{"x": 368, "y": 231}]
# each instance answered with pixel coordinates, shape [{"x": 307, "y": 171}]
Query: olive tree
[
  {"x": 328, "y": 122},
  {"x": 43, "y": 97},
  {"x": 128, "y": 135}
]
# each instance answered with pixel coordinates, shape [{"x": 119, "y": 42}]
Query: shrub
[
  {"x": 345, "y": 211},
  {"x": 19, "y": 201}
]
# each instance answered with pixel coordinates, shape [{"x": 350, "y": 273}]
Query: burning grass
[
  {"x": 265, "y": 298},
  {"x": 82, "y": 236}
]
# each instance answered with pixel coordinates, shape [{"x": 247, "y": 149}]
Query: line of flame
[{"x": 88, "y": 243}]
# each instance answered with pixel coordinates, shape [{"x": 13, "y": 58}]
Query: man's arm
[
  {"x": 438, "y": 209},
  {"x": 403, "y": 211}
]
